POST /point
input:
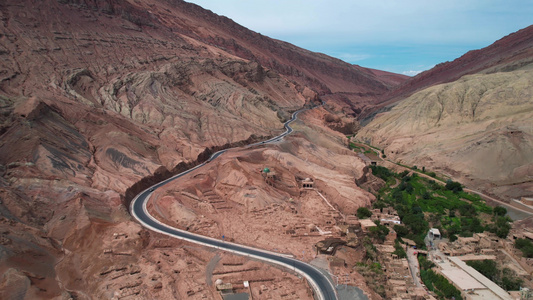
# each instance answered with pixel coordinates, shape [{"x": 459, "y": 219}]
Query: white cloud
[
  {"x": 412, "y": 73},
  {"x": 352, "y": 57}
]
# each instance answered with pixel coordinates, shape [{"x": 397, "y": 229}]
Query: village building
[
  {"x": 434, "y": 233},
  {"x": 366, "y": 224},
  {"x": 527, "y": 200},
  {"x": 387, "y": 217},
  {"x": 308, "y": 184}
]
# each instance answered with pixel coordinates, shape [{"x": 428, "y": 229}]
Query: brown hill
[
  {"x": 509, "y": 53},
  {"x": 476, "y": 128}
]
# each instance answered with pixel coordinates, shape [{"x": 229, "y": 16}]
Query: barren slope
[
  {"x": 477, "y": 128},
  {"x": 96, "y": 96},
  {"x": 509, "y": 53}
]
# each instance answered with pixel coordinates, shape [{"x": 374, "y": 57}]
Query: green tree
[
  {"x": 363, "y": 213},
  {"x": 453, "y": 186},
  {"x": 502, "y": 227},
  {"x": 381, "y": 172},
  {"x": 425, "y": 264},
  {"x": 416, "y": 223},
  {"x": 505, "y": 278},
  {"x": 467, "y": 210},
  {"x": 526, "y": 246},
  {"x": 440, "y": 285},
  {"x": 486, "y": 267},
  {"x": 510, "y": 282},
  {"x": 401, "y": 231},
  {"x": 500, "y": 211},
  {"x": 398, "y": 250},
  {"x": 379, "y": 232}
]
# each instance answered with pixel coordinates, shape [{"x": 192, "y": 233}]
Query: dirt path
[{"x": 210, "y": 268}]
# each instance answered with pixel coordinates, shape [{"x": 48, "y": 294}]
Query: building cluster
[
  {"x": 386, "y": 216},
  {"x": 400, "y": 283},
  {"x": 480, "y": 243},
  {"x": 450, "y": 259}
]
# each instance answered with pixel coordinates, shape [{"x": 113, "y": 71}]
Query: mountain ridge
[
  {"x": 512, "y": 51},
  {"x": 467, "y": 119}
]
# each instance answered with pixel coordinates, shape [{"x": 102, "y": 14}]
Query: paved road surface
[{"x": 322, "y": 286}]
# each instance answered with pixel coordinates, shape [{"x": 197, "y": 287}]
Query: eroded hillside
[
  {"x": 477, "y": 128},
  {"x": 96, "y": 96}
]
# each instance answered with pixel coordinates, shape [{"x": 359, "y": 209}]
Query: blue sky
[{"x": 402, "y": 36}]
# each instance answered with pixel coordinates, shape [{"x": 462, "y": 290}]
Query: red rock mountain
[{"x": 100, "y": 97}]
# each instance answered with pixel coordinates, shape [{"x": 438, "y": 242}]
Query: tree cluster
[{"x": 505, "y": 277}]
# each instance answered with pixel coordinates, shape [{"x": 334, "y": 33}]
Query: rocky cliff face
[
  {"x": 476, "y": 128},
  {"x": 96, "y": 95}
]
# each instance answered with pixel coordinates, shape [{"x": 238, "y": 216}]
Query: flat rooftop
[
  {"x": 493, "y": 287},
  {"x": 367, "y": 223},
  {"x": 462, "y": 279}
]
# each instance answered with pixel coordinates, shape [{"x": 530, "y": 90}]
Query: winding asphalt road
[{"x": 322, "y": 286}]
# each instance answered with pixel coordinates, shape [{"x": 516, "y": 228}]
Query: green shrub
[
  {"x": 500, "y": 211},
  {"x": 399, "y": 250},
  {"x": 381, "y": 172},
  {"x": 439, "y": 284},
  {"x": 526, "y": 246},
  {"x": 453, "y": 186},
  {"x": 363, "y": 213}
]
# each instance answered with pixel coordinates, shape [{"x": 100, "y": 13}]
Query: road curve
[{"x": 322, "y": 286}]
